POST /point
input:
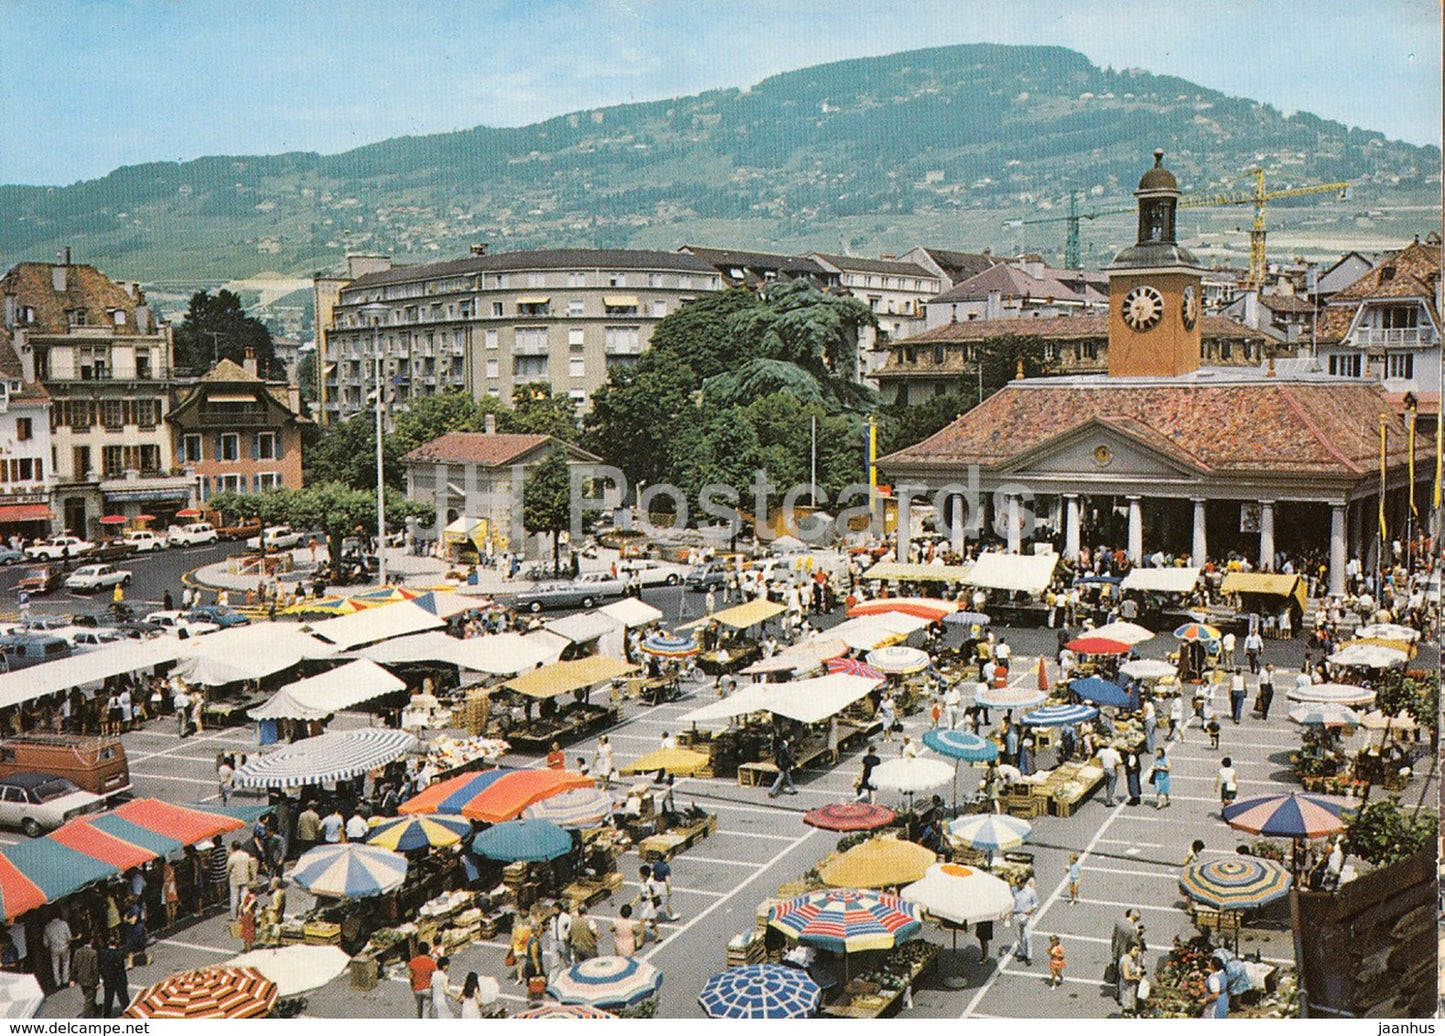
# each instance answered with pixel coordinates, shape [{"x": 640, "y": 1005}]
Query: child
[
  {"x": 1073, "y": 878},
  {"x": 1056, "y": 961},
  {"x": 935, "y": 713}
]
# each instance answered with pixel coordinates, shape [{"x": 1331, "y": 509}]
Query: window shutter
[
  {"x": 220, "y": 451},
  {"x": 256, "y": 446},
  {"x": 205, "y": 487}
]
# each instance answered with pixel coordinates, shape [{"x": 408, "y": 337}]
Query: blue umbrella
[
  {"x": 529, "y": 840},
  {"x": 967, "y": 618},
  {"x": 961, "y": 744},
  {"x": 1059, "y": 715},
  {"x": 760, "y": 991},
  {"x": 1103, "y": 692}
]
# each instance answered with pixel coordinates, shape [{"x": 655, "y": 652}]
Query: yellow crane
[{"x": 1258, "y": 267}]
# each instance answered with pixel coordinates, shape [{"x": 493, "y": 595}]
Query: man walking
[
  {"x": 57, "y": 943},
  {"x": 1026, "y": 904},
  {"x": 1266, "y": 692},
  {"x": 241, "y": 870},
  {"x": 420, "y": 969},
  {"x": 1253, "y": 645},
  {"x": 85, "y": 969},
  {"x": 1236, "y": 694},
  {"x": 1112, "y": 762},
  {"x": 783, "y": 759}
]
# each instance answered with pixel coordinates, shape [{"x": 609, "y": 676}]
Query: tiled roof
[
  {"x": 960, "y": 266},
  {"x": 489, "y": 449},
  {"x": 1094, "y": 325},
  {"x": 1411, "y": 273},
  {"x": 1246, "y": 425},
  {"x": 1286, "y": 304},
  {"x": 892, "y": 267},
  {"x": 86, "y": 288},
  {"x": 1011, "y": 282},
  {"x": 228, "y": 371},
  {"x": 538, "y": 259},
  {"x": 719, "y": 258}
]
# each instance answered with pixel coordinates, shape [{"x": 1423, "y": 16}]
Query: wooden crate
[
  {"x": 1208, "y": 919},
  {"x": 746, "y": 948},
  {"x": 666, "y": 846},
  {"x": 365, "y": 972},
  {"x": 323, "y": 933}
]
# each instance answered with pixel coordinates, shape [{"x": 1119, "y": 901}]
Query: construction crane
[
  {"x": 1073, "y": 258},
  {"x": 1258, "y": 266}
]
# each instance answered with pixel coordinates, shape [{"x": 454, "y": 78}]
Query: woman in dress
[
  {"x": 246, "y": 918},
  {"x": 472, "y": 996},
  {"x": 170, "y": 892},
  {"x": 624, "y": 935},
  {"x": 1160, "y": 776},
  {"x": 1216, "y": 998}
]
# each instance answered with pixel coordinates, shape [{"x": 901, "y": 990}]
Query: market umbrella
[
  {"x": 1009, "y": 697},
  {"x": 878, "y": 863},
  {"x": 960, "y": 746},
  {"x": 1148, "y": 669},
  {"x": 898, "y": 660},
  {"x": 420, "y": 831},
  {"x": 760, "y": 991},
  {"x": 145, "y": 518},
  {"x": 334, "y": 756},
  {"x": 1129, "y": 632},
  {"x": 1339, "y": 693},
  {"x": 295, "y": 969},
  {"x": 578, "y": 807},
  {"x": 806, "y": 655},
  {"x": 564, "y": 1011},
  {"x": 189, "y": 512},
  {"x": 961, "y": 895},
  {"x": 493, "y": 795},
  {"x": 676, "y": 761},
  {"x": 1059, "y": 715},
  {"x": 930, "y": 608},
  {"x": 1097, "y": 646},
  {"x": 221, "y": 992},
  {"x": 20, "y": 995},
  {"x": 1103, "y": 692},
  {"x": 846, "y": 920},
  {"x": 329, "y": 605},
  {"x": 1296, "y": 815},
  {"x": 113, "y": 519},
  {"x": 911, "y": 775},
  {"x": 1324, "y": 714},
  {"x": 1367, "y": 656},
  {"x": 1235, "y": 882},
  {"x": 1377, "y": 720},
  {"x": 667, "y": 645},
  {"x": 606, "y": 982},
  {"x": 1197, "y": 631},
  {"x": 854, "y": 667},
  {"x": 849, "y": 816},
  {"x": 349, "y": 870},
  {"x": 1388, "y": 631},
  {"x": 989, "y": 832},
  {"x": 41, "y": 870},
  {"x": 968, "y": 619},
  {"x": 517, "y": 840}
]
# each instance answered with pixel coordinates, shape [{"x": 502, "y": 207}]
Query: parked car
[
  {"x": 188, "y": 535},
  {"x": 217, "y": 614},
  {"x": 40, "y": 802},
  {"x": 58, "y": 547},
  {"x": 97, "y": 764},
  {"x": 90, "y": 578},
  {"x": 239, "y": 530},
  {"x": 557, "y": 594},
  {"x": 39, "y": 580},
  {"x": 23, "y": 650},
  {"x": 712, "y": 576},
  {"x": 42, "y": 624},
  {"x": 603, "y": 582},
  {"x": 177, "y": 622},
  {"x": 653, "y": 573},
  {"x": 277, "y": 537},
  {"x": 85, "y": 638},
  {"x": 143, "y": 540},
  {"x": 11, "y": 556}
]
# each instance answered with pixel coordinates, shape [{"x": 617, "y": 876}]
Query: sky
[{"x": 90, "y": 85}]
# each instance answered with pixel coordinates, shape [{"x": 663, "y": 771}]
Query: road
[{"x": 152, "y": 575}]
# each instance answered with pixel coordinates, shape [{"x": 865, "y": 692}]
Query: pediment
[{"x": 1112, "y": 448}]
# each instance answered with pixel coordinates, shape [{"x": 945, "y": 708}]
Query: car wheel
[
  {"x": 125, "y": 581},
  {"x": 31, "y": 827},
  {"x": 535, "y": 607},
  {"x": 672, "y": 579},
  {"x": 586, "y": 602}
]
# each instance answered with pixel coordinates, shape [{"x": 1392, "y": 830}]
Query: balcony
[{"x": 1394, "y": 337}]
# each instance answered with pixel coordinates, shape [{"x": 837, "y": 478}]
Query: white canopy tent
[
  {"x": 1161, "y": 580},
  {"x": 374, "y": 624},
  {"x": 582, "y": 627},
  {"x": 331, "y": 692},
  {"x": 632, "y": 612},
  {"x": 867, "y": 632},
  {"x": 446, "y": 604},
  {"x": 751, "y": 698},
  {"x": 90, "y": 667},
  {"x": 812, "y": 701},
  {"x": 503, "y": 654},
  {"x": 247, "y": 653},
  {"x": 1029, "y": 573}
]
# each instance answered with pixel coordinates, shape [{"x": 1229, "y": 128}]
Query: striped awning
[{"x": 336, "y": 756}]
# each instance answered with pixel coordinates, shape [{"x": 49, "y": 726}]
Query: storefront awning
[
  {"x": 25, "y": 513},
  {"x": 320, "y": 696},
  {"x": 917, "y": 573},
  {"x": 562, "y": 677},
  {"x": 131, "y": 490},
  {"x": 1266, "y": 585},
  {"x": 1161, "y": 580}
]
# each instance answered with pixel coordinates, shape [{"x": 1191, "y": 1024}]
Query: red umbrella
[
  {"x": 1097, "y": 646},
  {"x": 114, "y": 519},
  {"x": 853, "y": 667},
  {"x": 206, "y": 993},
  {"x": 849, "y": 816},
  {"x": 189, "y": 512},
  {"x": 145, "y": 517}
]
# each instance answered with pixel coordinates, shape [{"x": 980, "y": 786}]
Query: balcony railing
[{"x": 1399, "y": 337}]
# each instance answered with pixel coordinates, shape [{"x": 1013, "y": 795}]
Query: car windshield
[
  {"x": 37, "y": 573},
  {"x": 54, "y": 789}
]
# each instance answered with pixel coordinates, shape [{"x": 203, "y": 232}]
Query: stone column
[
  {"x": 1337, "y": 548},
  {"x": 1136, "y": 530},
  {"x": 1013, "y": 524},
  {"x": 955, "y": 519},
  {"x": 1266, "y": 535},
  {"x": 1071, "y": 525},
  {"x": 1201, "y": 538}
]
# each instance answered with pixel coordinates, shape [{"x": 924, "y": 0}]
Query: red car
[{"x": 39, "y": 580}]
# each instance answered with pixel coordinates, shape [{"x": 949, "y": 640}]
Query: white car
[
  {"x": 196, "y": 532},
  {"x": 174, "y": 622},
  {"x": 88, "y": 638},
  {"x": 40, "y": 802},
  {"x": 89, "y": 578},
  {"x": 60, "y": 547},
  {"x": 602, "y": 582},
  {"x": 277, "y": 537},
  {"x": 653, "y": 573},
  {"x": 142, "y": 540}
]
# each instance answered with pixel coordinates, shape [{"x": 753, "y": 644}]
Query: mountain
[{"x": 935, "y": 146}]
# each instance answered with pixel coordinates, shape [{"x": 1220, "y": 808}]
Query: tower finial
[{"x": 1158, "y": 157}]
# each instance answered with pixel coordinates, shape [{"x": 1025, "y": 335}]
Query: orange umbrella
[
  {"x": 206, "y": 993},
  {"x": 493, "y": 795}
]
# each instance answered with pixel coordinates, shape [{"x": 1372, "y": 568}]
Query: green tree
[
  {"x": 346, "y": 454},
  {"x": 537, "y": 410},
  {"x": 430, "y": 417},
  {"x": 222, "y": 316},
  {"x": 547, "y": 497},
  {"x": 1383, "y": 833},
  {"x": 638, "y": 415},
  {"x": 901, "y": 425}
]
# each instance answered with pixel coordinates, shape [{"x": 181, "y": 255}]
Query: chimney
[
  {"x": 489, "y": 424},
  {"x": 1251, "y": 309},
  {"x": 67, "y": 255},
  {"x": 887, "y": 255},
  {"x": 480, "y": 248},
  {"x": 59, "y": 273},
  {"x": 293, "y": 393},
  {"x": 143, "y": 319},
  {"x": 993, "y": 308},
  {"x": 249, "y": 362}
]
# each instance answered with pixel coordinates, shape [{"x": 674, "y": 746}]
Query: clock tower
[{"x": 1154, "y": 298}]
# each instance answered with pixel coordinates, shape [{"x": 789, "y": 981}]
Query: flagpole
[{"x": 1380, "y": 552}]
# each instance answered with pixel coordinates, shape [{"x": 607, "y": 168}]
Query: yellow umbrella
[
  {"x": 877, "y": 863},
  {"x": 328, "y": 605},
  {"x": 677, "y": 761},
  {"x": 1404, "y": 646}
]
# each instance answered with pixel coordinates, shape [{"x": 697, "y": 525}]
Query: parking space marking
[
  {"x": 1171, "y": 908},
  {"x": 725, "y": 863},
  {"x": 1138, "y": 874},
  {"x": 172, "y": 777},
  {"x": 197, "y": 946}
]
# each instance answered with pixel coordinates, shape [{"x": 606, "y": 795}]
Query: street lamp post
[{"x": 373, "y": 312}]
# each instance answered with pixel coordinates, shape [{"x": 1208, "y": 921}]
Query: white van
[{"x": 196, "y": 532}]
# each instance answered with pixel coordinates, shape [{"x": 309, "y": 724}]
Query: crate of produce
[
  {"x": 365, "y": 972},
  {"x": 323, "y": 933},
  {"x": 515, "y": 873},
  {"x": 746, "y": 948}
]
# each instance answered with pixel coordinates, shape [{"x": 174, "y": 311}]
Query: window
[
  {"x": 617, "y": 280},
  {"x": 504, "y": 280},
  {"x": 266, "y": 446},
  {"x": 576, "y": 367},
  {"x": 654, "y": 280},
  {"x": 147, "y": 412},
  {"x": 268, "y": 480},
  {"x": 529, "y": 368},
  {"x": 80, "y": 462},
  {"x": 577, "y": 396},
  {"x": 112, "y": 462},
  {"x": 1345, "y": 366},
  {"x": 623, "y": 340},
  {"x": 575, "y": 307},
  {"x": 620, "y": 306},
  {"x": 659, "y": 308},
  {"x": 530, "y": 341},
  {"x": 190, "y": 449},
  {"x": 228, "y": 446},
  {"x": 1399, "y": 365},
  {"x": 143, "y": 365},
  {"x": 536, "y": 279},
  {"x": 150, "y": 458},
  {"x": 117, "y": 317},
  {"x": 576, "y": 279},
  {"x": 496, "y": 309},
  {"x": 112, "y": 413},
  {"x": 576, "y": 337},
  {"x": 24, "y": 428},
  {"x": 492, "y": 370},
  {"x": 82, "y": 414},
  {"x": 491, "y": 338},
  {"x": 534, "y": 307},
  {"x": 75, "y": 317},
  {"x": 233, "y": 483}
]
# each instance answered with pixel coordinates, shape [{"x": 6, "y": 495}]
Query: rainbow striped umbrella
[
  {"x": 1235, "y": 882},
  {"x": 327, "y": 605},
  {"x": 206, "y": 993},
  {"x": 1060, "y": 715},
  {"x": 669, "y": 645},
  {"x": 761, "y": 991},
  {"x": 1296, "y": 815},
  {"x": 854, "y": 667},
  {"x": 493, "y": 795},
  {"x": 847, "y": 920},
  {"x": 899, "y": 660},
  {"x": 350, "y": 870},
  {"x": 989, "y": 832},
  {"x": 403, "y": 834},
  {"x": 564, "y": 1011},
  {"x": 606, "y": 982},
  {"x": 1198, "y": 631}
]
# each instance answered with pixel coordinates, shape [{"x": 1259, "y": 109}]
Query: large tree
[
  {"x": 537, "y": 410},
  {"x": 547, "y": 498},
  {"x": 216, "y": 327},
  {"x": 335, "y": 510},
  {"x": 346, "y": 454}
]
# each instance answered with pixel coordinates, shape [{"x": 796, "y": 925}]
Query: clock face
[
  {"x": 1189, "y": 308},
  {"x": 1143, "y": 307}
]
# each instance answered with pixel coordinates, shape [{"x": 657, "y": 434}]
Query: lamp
[{"x": 374, "y": 312}]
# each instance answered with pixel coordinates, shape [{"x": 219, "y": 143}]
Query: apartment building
[
  {"x": 491, "y": 322},
  {"x": 105, "y": 361},
  {"x": 26, "y": 475}
]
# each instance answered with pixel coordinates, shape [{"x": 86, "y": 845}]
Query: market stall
[
  {"x": 1280, "y": 599},
  {"x": 328, "y": 693},
  {"x": 500, "y": 654},
  {"x": 335, "y": 756},
  {"x": 731, "y": 649},
  {"x": 542, "y": 687},
  {"x": 903, "y": 572},
  {"x": 398, "y": 619}
]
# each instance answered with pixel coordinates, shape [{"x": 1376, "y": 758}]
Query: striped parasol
[
  {"x": 335, "y": 756},
  {"x": 1197, "y": 631},
  {"x": 325, "y": 605},
  {"x": 849, "y": 816},
  {"x": 854, "y": 667},
  {"x": 899, "y": 660},
  {"x": 1324, "y": 714},
  {"x": 564, "y": 1011},
  {"x": 382, "y": 595},
  {"x": 668, "y": 645},
  {"x": 1296, "y": 815},
  {"x": 42, "y": 870},
  {"x": 1337, "y": 693},
  {"x": 404, "y": 834},
  {"x": 206, "y": 993},
  {"x": 989, "y": 832},
  {"x": 961, "y": 744},
  {"x": 1009, "y": 697},
  {"x": 493, "y": 795},
  {"x": 847, "y": 920},
  {"x": 349, "y": 870},
  {"x": 516, "y": 840},
  {"x": 760, "y": 991},
  {"x": 1060, "y": 715},
  {"x": 1235, "y": 882},
  {"x": 606, "y": 982},
  {"x": 577, "y": 807}
]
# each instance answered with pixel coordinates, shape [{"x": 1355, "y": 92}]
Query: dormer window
[
  {"x": 75, "y": 317},
  {"x": 117, "y": 317}
]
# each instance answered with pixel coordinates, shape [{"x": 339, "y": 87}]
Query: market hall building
[{"x": 1163, "y": 454}]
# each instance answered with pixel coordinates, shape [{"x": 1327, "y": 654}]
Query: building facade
[
  {"x": 1017, "y": 289},
  {"x": 27, "y": 478}
]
